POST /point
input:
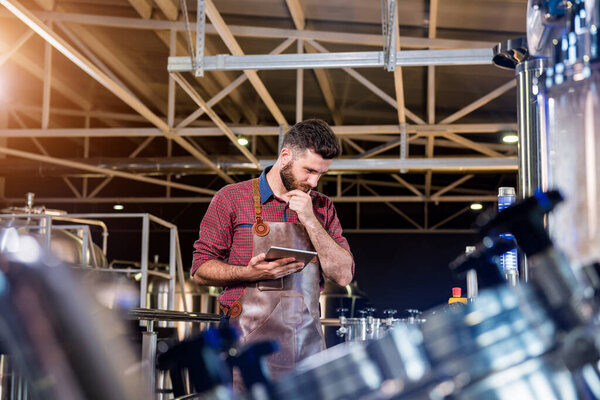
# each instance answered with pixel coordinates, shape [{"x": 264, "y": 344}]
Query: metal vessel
[
  {"x": 335, "y": 297},
  {"x": 68, "y": 238},
  {"x": 199, "y": 299}
]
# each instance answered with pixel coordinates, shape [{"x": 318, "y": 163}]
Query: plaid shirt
[{"x": 225, "y": 230}]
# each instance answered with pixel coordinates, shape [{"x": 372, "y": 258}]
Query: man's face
[{"x": 303, "y": 170}]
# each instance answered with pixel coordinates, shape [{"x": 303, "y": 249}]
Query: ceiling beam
[
  {"x": 213, "y": 116},
  {"x": 142, "y": 7},
  {"x": 323, "y": 79},
  {"x": 372, "y": 87},
  {"x": 104, "y": 171},
  {"x": 229, "y": 89},
  {"x": 68, "y": 51},
  {"x": 225, "y": 33},
  {"x": 261, "y": 32},
  {"x": 130, "y": 76},
  {"x": 224, "y": 80},
  {"x": 46, "y": 5},
  {"x": 480, "y": 102},
  {"x": 169, "y": 8},
  {"x": 326, "y": 87},
  {"x": 209, "y": 85},
  {"x": 297, "y": 13},
  {"x": 341, "y": 130},
  {"x": 450, "y": 218},
  {"x": 451, "y": 186},
  {"x": 16, "y": 46},
  {"x": 62, "y": 87},
  {"x": 393, "y": 207},
  {"x": 133, "y": 154},
  {"x": 471, "y": 144}
]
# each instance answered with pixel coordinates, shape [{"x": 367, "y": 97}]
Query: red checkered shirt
[{"x": 225, "y": 230}]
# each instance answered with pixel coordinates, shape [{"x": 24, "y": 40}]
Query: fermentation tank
[
  {"x": 70, "y": 240},
  {"x": 570, "y": 92},
  {"x": 199, "y": 299}
]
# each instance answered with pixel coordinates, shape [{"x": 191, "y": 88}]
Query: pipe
[{"x": 528, "y": 116}]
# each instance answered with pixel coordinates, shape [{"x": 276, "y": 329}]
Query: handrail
[{"x": 146, "y": 314}]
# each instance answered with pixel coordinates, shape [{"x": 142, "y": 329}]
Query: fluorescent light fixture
[
  {"x": 476, "y": 206},
  {"x": 118, "y": 207},
  {"x": 511, "y": 138},
  {"x": 243, "y": 141}
]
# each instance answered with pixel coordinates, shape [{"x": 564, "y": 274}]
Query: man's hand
[
  {"x": 258, "y": 269},
  {"x": 302, "y": 203}
]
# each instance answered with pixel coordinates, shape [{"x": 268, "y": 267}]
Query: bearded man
[{"x": 277, "y": 299}]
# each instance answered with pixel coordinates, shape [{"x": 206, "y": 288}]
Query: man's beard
[{"x": 289, "y": 181}]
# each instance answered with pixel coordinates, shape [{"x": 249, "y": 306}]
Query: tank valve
[
  {"x": 342, "y": 315},
  {"x": 389, "y": 316}
]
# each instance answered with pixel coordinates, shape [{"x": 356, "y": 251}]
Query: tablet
[{"x": 275, "y": 252}]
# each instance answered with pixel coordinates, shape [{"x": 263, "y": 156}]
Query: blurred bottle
[
  {"x": 457, "y": 301},
  {"x": 472, "y": 284},
  {"x": 508, "y": 260}
]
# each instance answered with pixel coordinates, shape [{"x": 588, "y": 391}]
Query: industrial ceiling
[{"x": 90, "y": 113}]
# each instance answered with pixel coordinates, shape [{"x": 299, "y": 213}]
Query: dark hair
[{"x": 315, "y": 135}]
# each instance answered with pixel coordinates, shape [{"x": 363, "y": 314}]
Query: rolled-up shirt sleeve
[{"x": 216, "y": 232}]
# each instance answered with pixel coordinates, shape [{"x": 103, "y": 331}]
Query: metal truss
[{"x": 371, "y": 59}]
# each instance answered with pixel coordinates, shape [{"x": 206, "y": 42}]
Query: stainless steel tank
[
  {"x": 334, "y": 297},
  {"x": 571, "y": 91},
  {"x": 199, "y": 299},
  {"x": 67, "y": 246}
]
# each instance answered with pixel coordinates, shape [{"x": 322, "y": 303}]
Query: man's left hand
[{"x": 301, "y": 202}]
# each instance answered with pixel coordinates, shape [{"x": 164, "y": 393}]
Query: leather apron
[{"x": 285, "y": 309}]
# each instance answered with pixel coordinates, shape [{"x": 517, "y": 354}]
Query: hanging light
[
  {"x": 243, "y": 141},
  {"x": 118, "y": 207},
  {"x": 476, "y": 206},
  {"x": 510, "y": 138}
]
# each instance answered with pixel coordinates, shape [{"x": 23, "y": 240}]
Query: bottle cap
[
  {"x": 506, "y": 192},
  {"x": 456, "y": 292}
]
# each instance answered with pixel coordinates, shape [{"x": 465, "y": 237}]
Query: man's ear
[{"x": 285, "y": 155}]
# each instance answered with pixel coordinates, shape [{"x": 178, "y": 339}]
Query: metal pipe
[
  {"x": 144, "y": 259},
  {"x": 172, "y": 267},
  {"x": 528, "y": 116},
  {"x": 89, "y": 222},
  {"x": 530, "y": 153},
  {"x": 166, "y": 315},
  {"x": 149, "y": 339}
]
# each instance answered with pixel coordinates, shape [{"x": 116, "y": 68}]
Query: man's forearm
[
  {"x": 336, "y": 261},
  {"x": 219, "y": 273}
]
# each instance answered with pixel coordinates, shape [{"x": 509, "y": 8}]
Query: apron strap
[{"x": 260, "y": 228}]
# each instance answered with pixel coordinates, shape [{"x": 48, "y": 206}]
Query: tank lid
[{"x": 33, "y": 210}]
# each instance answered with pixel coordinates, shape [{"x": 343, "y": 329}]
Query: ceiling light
[
  {"x": 243, "y": 141},
  {"x": 476, "y": 206},
  {"x": 118, "y": 207},
  {"x": 511, "y": 138}
]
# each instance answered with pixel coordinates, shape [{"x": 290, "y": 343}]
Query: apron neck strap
[{"x": 260, "y": 227}]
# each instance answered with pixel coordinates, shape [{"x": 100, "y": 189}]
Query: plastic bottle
[
  {"x": 508, "y": 260},
  {"x": 457, "y": 300},
  {"x": 472, "y": 284}
]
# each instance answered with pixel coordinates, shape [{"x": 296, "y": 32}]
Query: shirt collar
[{"x": 265, "y": 190}]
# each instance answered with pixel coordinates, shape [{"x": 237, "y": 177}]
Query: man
[{"x": 276, "y": 299}]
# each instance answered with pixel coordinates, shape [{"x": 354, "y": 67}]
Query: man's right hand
[{"x": 258, "y": 269}]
